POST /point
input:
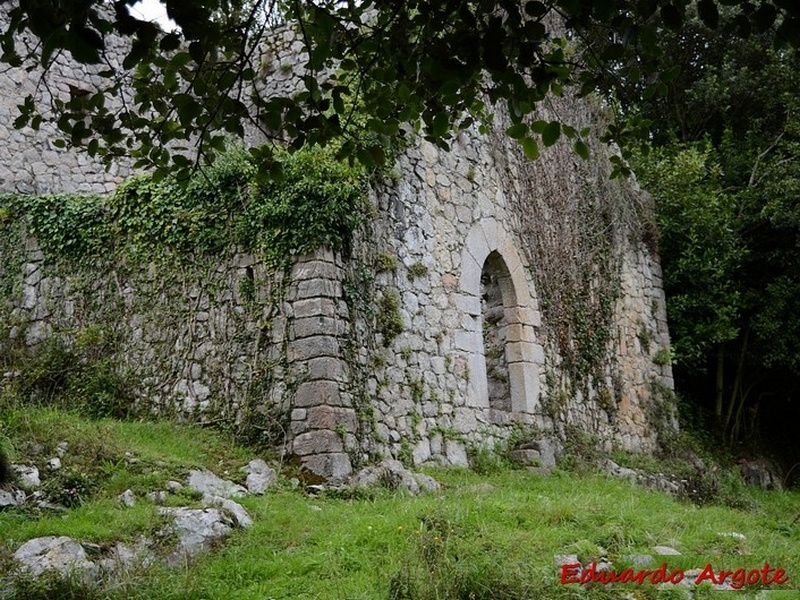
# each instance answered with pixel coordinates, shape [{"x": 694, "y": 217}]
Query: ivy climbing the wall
[
  {"x": 576, "y": 231},
  {"x": 317, "y": 201},
  {"x": 180, "y": 285}
]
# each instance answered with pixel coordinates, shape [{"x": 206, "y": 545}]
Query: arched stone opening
[{"x": 500, "y": 317}]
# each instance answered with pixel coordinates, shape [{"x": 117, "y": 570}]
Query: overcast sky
[{"x": 153, "y": 10}]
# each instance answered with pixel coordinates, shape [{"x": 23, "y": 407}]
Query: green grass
[{"x": 483, "y": 536}]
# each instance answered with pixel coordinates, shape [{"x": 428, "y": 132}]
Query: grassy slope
[{"x": 491, "y": 536}]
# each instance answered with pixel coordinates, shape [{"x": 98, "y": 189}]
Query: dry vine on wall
[{"x": 575, "y": 223}]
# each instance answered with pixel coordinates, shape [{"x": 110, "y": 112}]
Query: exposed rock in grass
[
  {"x": 62, "y": 448},
  {"x": 60, "y": 554},
  {"x": 158, "y": 497},
  {"x": 198, "y": 529},
  {"x": 235, "y": 509},
  {"x": 173, "y": 487},
  {"x": 565, "y": 559},
  {"x": 41, "y": 502},
  {"x": 393, "y": 475},
  {"x": 27, "y": 477},
  {"x": 650, "y": 481},
  {"x": 659, "y": 483},
  {"x": 539, "y": 453},
  {"x": 761, "y": 473},
  {"x": 665, "y": 551},
  {"x": 66, "y": 557},
  {"x": 259, "y": 476},
  {"x": 13, "y": 498},
  {"x": 638, "y": 560},
  {"x": 614, "y": 469},
  {"x": 733, "y": 534},
  {"x": 127, "y": 498},
  {"x": 209, "y": 484},
  {"x": 122, "y": 558}
]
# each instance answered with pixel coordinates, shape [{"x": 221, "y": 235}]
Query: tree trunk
[
  {"x": 737, "y": 386},
  {"x": 737, "y": 396},
  {"x": 720, "y": 384},
  {"x": 736, "y": 425}
]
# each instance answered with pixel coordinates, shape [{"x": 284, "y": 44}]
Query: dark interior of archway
[{"x": 494, "y": 332}]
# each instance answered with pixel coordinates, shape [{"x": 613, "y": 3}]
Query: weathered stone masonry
[
  {"x": 477, "y": 358},
  {"x": 29, "y": 161}
]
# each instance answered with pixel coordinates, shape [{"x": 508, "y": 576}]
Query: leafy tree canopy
[
  {"x": 431, "y": 64},
  {"x": 725, "y": 170}
]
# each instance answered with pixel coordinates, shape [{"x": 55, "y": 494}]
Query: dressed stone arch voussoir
[{"x": 505, "y": 360}]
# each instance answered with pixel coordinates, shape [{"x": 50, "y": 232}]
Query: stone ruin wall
[
  {"x": 451, "y": 243},
  {"x": 461, "y": 216},
  {"x": 29, "y": 162}
]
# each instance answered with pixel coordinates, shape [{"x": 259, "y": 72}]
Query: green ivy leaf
[
  {"x": 440, "y": 124},
  {"x": 581, "y": 149},
  {"x": 170, "y": 42},
  {"x": 531, "y": 148},
  {"x": 707, "y": 9},
  {"x": 551, "y": 133},
  {"x": 672, "y": 16},
  {"x": 517, "y": 131},
  {"x": 85, "y": 44},
  {"x": 535, "y": 9}
]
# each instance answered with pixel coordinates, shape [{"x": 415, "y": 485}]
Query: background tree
[{"x": 725, "y": 167}]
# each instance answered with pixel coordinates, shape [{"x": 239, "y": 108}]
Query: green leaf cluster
[
  {"x": 724, "y": 167},
  {"x": 64, "y": 225},
  {"x": 702, "y": 250},
  {"x": 438, "y": 67},
  {"x": 316, "y": 201}
]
